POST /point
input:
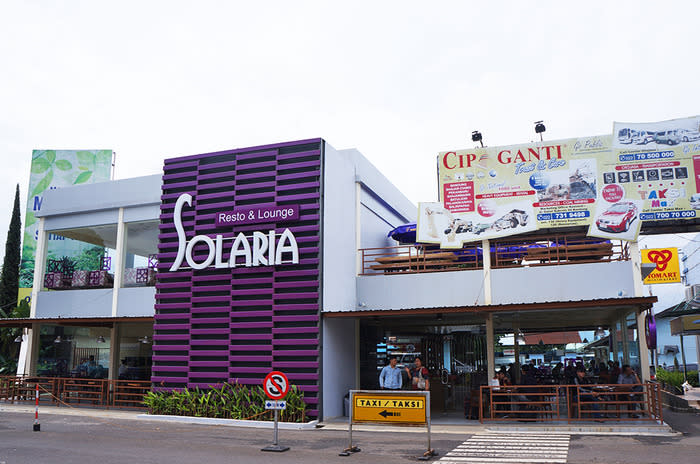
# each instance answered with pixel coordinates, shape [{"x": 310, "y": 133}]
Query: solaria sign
[{"x": 260, "y": 249}]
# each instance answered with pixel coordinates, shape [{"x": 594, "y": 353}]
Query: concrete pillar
[
  {"x": 358, "y": 226},
  {"x": 643, "y": 350},
  {"x": 490, "y": 341},
  {"x": 486, "y": 247},
  {"x": 119, "y": 262},
  {"x": 30, "y": 348},
  {"x": 613, "y": 337},
  {"x": 114, "y": 352},
  {"x": 516, "y": 349},
  {"x": 625, "y": 340},
  {"x": 636, "y": 258}
]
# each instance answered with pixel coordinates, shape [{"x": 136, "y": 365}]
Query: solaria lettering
[{"x": 265, "y": 249}]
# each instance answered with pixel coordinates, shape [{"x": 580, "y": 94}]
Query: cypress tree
[{"x": 9, "y": 279}]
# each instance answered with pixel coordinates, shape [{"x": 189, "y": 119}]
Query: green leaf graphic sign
[{"x": 56, "y": 169}]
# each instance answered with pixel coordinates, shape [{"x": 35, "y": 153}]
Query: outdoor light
[
  {"x": 18, "y": 339},
  {"x": 599, "y": 333},
  {"x": 101, "y": 339},
  {"x": 438, "y": 316},
  {"x": 539, "y": 128},
  {"x": 58, "y": 339},
  {"x": 145, "y": 340},
  {"x": 476, "y": 137},
  {"x": 520, "y": 339}
]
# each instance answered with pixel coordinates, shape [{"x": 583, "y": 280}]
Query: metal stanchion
[{"x": 37, "y": 426}]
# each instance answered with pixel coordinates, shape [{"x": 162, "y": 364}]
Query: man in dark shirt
[{"x": 588, "y": 395}]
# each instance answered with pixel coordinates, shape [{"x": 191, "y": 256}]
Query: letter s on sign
[{"x": 183, "y": 199}]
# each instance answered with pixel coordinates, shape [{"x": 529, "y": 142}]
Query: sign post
[
  {"x": 276, "y": 386},
  {"x": 405, "y": 408}
]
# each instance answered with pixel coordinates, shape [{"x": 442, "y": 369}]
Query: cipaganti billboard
[
  {"x": 52, "y": 169},
  {"x": 608, "y": 183}
]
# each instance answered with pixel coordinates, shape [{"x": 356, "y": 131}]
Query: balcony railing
[
  {"x": 72, "y": 392},
  {"x": 541, "y": 250},
  {"x": 571, "y": 403},
  {"x": 411, "y": 259}
]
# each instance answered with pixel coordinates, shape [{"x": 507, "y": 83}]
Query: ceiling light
[
  {"x": 58, "y": 339},
  {"x": 145, "y": 340},
  {"x": 18, "y": 339},
  {"x": 101, "y": 339}
]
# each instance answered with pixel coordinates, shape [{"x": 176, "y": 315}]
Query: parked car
[
  {"x": 618, "y": 217},
  {"x": 695, "y": 201},
  {"x": 690, "y": 135},
  {"x": 670, "y": 137}
]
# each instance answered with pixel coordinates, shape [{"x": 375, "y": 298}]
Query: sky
[{"x": 398, "y": 80}]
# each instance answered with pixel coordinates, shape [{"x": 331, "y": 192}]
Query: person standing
[
  {"x": 629, "y": 381},
  {"x": 390, "y": 377},
  {"x": 418, "y": 376}
]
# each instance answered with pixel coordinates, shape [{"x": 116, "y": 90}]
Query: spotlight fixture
[
  {"x": 101, "y": 339},
  {"x": 145, "y": 340},
  {"x": 476, "y": 137},
  {"x": 57, "y": 339},
  {"x": 539, "y": 128}
]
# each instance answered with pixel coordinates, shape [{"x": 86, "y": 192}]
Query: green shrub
[
  {"x": 675, "y": 378},
  {"x": 230, "y": 401}
]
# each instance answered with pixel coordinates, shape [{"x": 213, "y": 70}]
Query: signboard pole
[
  {"x": 407, "y": 408},
  {"x": 276, "y": 386}
]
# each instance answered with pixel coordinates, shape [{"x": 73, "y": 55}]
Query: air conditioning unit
[{"x": 692, "y": 292}]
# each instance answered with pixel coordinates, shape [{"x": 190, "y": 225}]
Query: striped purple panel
[{"x": 218, "y": 325}]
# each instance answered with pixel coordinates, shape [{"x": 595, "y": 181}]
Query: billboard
[
  {"x": 53, "y": 169},
  {"x": 608, "y": 183},
  {"x": 667, "y": 269},
  {"x": 650, "y": 176},
  {"x": 493, "y": 192}
]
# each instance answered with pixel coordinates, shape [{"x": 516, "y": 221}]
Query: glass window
[
  {"x": 135, "y": 342},
  {"x": 81, "y": 258},
  {"x": 73, "y": 352},
  {"x": 141, "y": 251}
]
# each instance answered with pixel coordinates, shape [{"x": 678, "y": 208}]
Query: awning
[{"x": 72, "y": 321}]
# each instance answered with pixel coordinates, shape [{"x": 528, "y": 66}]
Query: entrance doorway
[{"x": 455, "y": 355}]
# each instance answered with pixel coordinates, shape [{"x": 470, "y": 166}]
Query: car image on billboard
[{"x": 618, "y": 217}]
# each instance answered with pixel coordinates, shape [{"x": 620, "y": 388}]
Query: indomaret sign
[{"x": 265, "y": 249}]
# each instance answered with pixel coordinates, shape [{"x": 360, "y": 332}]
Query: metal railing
[
  {"x": 411, "y": 259},
  {"x": 571, "y": 403},
  {"x": 547, "y": 250},
  {"x": 541, "y": 250},
  {"x": 60, "y": 391}
]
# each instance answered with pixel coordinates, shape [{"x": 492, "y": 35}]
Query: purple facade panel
[{"x": 235, "y": 324}]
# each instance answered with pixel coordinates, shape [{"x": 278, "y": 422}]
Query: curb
[{"x": 229, "y": 422}]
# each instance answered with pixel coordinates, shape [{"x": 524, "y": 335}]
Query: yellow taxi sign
[
  {"x": 667, "y": 269},
  {"x": 389, "y": 407}
]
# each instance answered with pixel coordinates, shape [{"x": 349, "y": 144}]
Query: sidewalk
[{"x": 441, "y": 424}]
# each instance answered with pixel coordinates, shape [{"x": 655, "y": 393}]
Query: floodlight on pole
[
  {"x": 476, "y": 137},
  {"x": 539, "y": 129}
]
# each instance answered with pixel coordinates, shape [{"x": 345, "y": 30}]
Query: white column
[
  {"x": 516, "y": 349},
  {"x": 114, "y": 352},
  {"x": 358, "y": 227},
  {"x": 490, "y": 340},
  {"x": 625, "y": 340},
  {"x": 119, "y": 261},
  {"x": 636, "y": 257},
  {"x": 486, "y": 253},
  {"x": 39, "y": 266},
  {"x": 643, "y": 350},
  {"x": 30, "y": 347}
]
